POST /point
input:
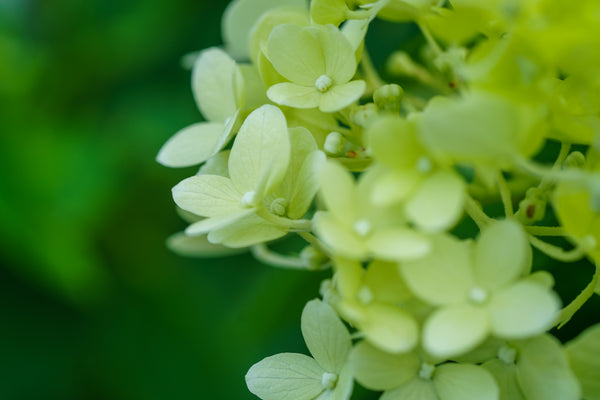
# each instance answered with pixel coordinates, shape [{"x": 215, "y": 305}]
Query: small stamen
[{"x": 323, "y": 83}]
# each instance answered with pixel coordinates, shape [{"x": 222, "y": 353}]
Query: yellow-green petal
[
  {"x": 293, "y": 95},
  {"x": 207, "y": 195},
  {"x": 341, "y": 96},
  {"x": 464, "y": 382}
]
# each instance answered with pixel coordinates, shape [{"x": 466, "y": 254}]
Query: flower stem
[
  {"x": 262, "y": 253},
  {"x": 567, "y": 313},
  {"x": 558, "y": 253},
  {"x": 505, "y": 195},
  {"x": 473, "y": 208}
]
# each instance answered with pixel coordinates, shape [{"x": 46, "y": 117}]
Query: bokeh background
[{"x": 92, "y": 304}]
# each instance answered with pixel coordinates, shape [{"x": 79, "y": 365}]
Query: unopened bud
[
  {"x": 362, "y": 114},
  {"x": 313, "y": 259},
  {"x": 388, "y": 97},
  {"x": 334, "y": 144},
  {"x": 574, "y": 160},
  {"x": 533, "y": 207}
]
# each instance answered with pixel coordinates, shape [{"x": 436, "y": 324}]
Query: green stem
[
  {"x": 430, "y": 39},
  {"x": 262, "y": 253},
  {"x": 565, "y": 148},
  {"x": 291, "y": 224},
  {"x": 371, "y": 76},
  {"x": 315, "y": 242},
  {"x": 505, "y": 195},
  {"x": 567, "y": 313},
  {"x": 558, "y": 253},
  {"x": 473, "y": 208},
  {"x": 545, "y": 230}
]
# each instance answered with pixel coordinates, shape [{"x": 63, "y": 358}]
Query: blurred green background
[{"x": 92, "y": 304}]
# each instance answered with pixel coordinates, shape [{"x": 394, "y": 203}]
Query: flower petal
[
  {"x": 390, "y": 328},
  {"x": 247, "y": 231},
  {"x": 452, "y": 331},
  {"x": 325, "y": 335},
  {"x": 522, "y": 310},
  {"x": 437, "y": 204},
  {"x": 395, "y": 244},
  {"x": 207, "y": 195},
  {"x": 213, "y": 84},
  {"x": 464, "y": 382},
  {"x": 293, "y": 95},
  {"x": 286, "y": 376},
  {"x": 379, "y": 370},
  {"x": 191, "y": 145},
  {"x": 443, "y": 276},
  {"x": 296, "y": 54},
  {"x": 340, "y": 63},
  {"x": 501, "y": 254},
  {"x": 341, "y": 96},
  {"x": 260, "y": 154},
  {"x": 415, "y": 389}
]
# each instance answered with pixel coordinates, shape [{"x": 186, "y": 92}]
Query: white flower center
[
  {"x": 424, "y": 165},
  {"x": 279, "y": 206},
  {"x": 323, "y": 83},
  {"x": 426, "y": 371},
  {"x": 507, "y": 354},
  {"x": 365, "y": 295},
  {"x": 328, "y": 380},
  {"x": 478, "y": 295},
  {"x": 249, "y": 199},
  {"x": 362, "y": 227}
]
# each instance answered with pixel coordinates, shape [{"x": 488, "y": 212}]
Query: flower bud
[
  {"x": 533, "y": 207},
  {"x": 388, "y": 97}
]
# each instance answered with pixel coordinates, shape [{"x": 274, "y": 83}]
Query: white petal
[
  {"x": 199, "y": 246},
  {"x": 286, "y": 376},
  {"x": 207, "y": 195},
  {"x": 396, "y": 244},
  {"x": 261, "y": 152},
  {"x": 452, "y": 331},
  {"x": 246, "y": 231},
  {"x": 390, "y": 328},
  {"x": 341, "y": 96},
  {"x": 443, "y": 276},
  {"x": 522, "y": 310},
  {"x": 464, "y": 382},
  {"x": 584, "y": 357},
  {"x": 501, "y": 254},
  {"x": 544, "y": 371},
  {"x": 293, "y": 95},
  {"x": 192, "y": 145},
  {"x": 325, "y": 335},
  {"x": 209, "y": 224},
  {"x": 415, "y": 389},
  {"x": 213, "y": 84},
  {"x": 379, "y": 370},
  {"x": 438, "y": 202}
]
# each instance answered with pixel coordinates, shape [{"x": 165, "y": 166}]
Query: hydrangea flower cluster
[{"x": 302, "y": 136}]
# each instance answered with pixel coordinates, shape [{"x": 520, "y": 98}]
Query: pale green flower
[
  {"x": 533, "y": 369},
  {"x": 410, "y": 376},
  {"x": 479, "y": 291},
  {"x": 291, "y": 376},
  {"x": 264, "y": 179},
  {"x": 432, "y": 197},
  {"x": 318, "y": 62},
  {"x": 584, "y": 357},
  {"x": 372, "y": 301},
  {"x": 355, "y": 228}
]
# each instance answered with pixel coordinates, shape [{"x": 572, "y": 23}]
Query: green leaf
[
  {"x": 325, "y": 335},
  {"x": 378, "y": 370},
  {"x": 584, "y": 356},
  {"x": 191, "y": 145},
  {"x": 261, "y": 152},
  {"x": 286, "y": 376},
  {"x": 464, "y": 382},
  {"x": 213, "y": 84}
]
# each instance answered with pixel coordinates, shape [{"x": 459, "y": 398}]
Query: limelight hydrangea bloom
[{"x": 423, "y": 188}]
